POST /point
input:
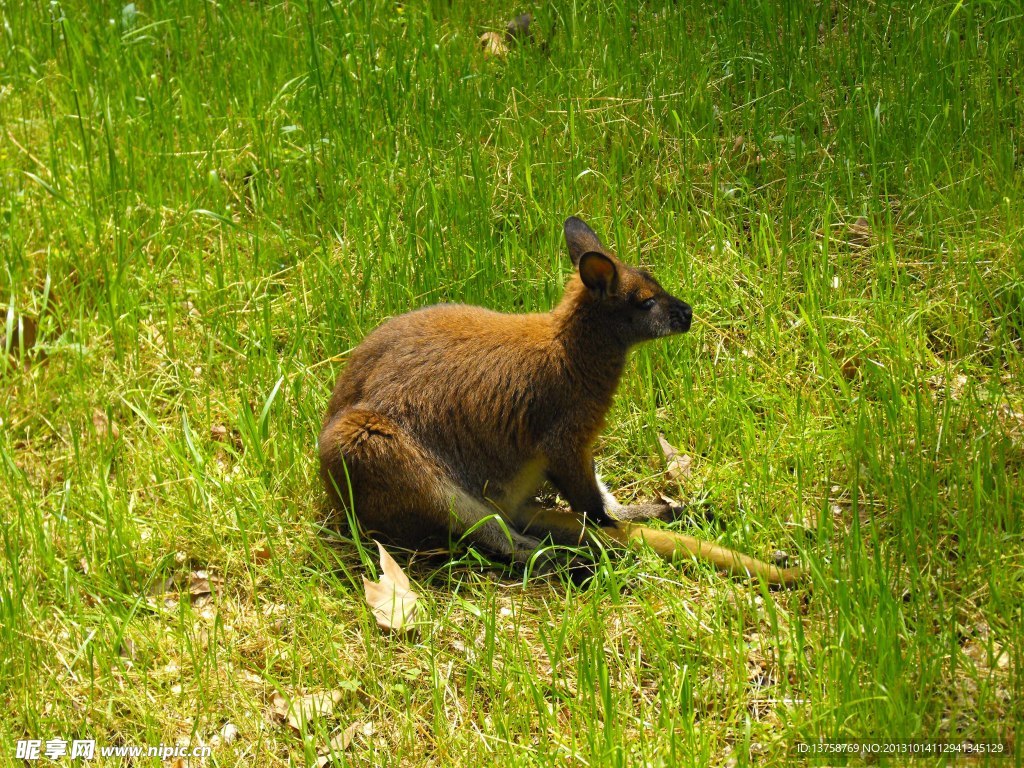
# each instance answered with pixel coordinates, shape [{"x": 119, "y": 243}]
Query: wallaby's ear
[
  {"x": 580, "y": 238},
  {"x": 598, "y": 273}
]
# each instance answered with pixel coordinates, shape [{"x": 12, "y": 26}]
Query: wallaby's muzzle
[{"x": 680, "y": 315}]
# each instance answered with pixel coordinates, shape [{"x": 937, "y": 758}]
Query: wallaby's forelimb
[{"x": 568, "y": 528}]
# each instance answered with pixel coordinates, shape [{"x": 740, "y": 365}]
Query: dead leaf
[
  {"x": 202, "y": 584},
  {"x": 229, "y": 733},
  {"x": 104, "y": 426},
  {"x": 343, "y": 739},
  {"x": 339, "y": 743},
  {"x": 219, "y": 433},
  {"x": 392, "y": 599},
  {"x": 978, "y": 652},
  {"x": 127, "y": 649},
  {"x": 666, "y": 499},
  {"x": 493, "y": 45},
  {"x": 201, "y": 588},
  {"x": 850, "y": 368},
  {"x": 305, "y": 709},
  {"x": 1001, "y": 656},
  {"x": 953, "y": 386},
  {"x": 262, "y": 555},
  {"x": 859, "y": 233},
  {"x": 678, "y": 466},
  {"x": 279, "y": 706}
]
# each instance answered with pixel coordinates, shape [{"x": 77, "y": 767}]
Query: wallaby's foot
[
  {"x": 581, "y": 571},
  {"x": 655, "y": 510},
  {"x": 550, "y": 560}
]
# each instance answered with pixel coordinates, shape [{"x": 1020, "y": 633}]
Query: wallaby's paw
[
  {"x": 580, "y": 571},
  {"x": 563, "y": 563},
  {"x": 655, "y": 510},
  {"x": 675, "y": 512},
  {"x": 545, "y": 560}
]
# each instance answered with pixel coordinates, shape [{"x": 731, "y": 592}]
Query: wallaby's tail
[
  {"x": 674, "y": 545},
  {"x": 569, "y": 528}
]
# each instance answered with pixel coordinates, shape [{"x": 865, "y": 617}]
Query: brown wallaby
[{"x": 447, "y": 420}]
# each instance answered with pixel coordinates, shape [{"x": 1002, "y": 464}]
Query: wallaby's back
[{"x": 479, "y": 388}]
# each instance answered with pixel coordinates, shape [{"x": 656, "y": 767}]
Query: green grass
[{"x": 205, "y": 205}]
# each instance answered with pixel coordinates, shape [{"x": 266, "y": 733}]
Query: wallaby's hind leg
[
  {"x": 654, "y": 510},
  {"x": 398, "y": 490}
]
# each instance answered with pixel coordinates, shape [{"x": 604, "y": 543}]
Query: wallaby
[{"x": 447, "y": 420}]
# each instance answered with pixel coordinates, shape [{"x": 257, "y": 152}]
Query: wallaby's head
[{"x": 624, "y": 300}]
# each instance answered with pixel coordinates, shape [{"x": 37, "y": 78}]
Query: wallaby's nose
[{"x": 682, "y": 315}]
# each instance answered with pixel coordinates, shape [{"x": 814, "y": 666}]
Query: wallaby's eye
[{"x": 648, "y": 304}]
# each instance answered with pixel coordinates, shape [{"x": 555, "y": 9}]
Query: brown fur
[{"x": 447, "y": 420}]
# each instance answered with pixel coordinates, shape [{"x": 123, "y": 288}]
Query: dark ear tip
[{"x": 580, "y": 238}]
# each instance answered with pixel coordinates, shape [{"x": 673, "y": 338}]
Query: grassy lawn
[{"x": 204, "y": 205}]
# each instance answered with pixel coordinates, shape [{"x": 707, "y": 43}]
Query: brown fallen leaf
[
  {"x": 945, "y": 384},
  {"x": 493, "y": 45},
  {"x": 978, "y": 652},
  {"x": 201, "y": 587},
  {"x": 127, "y": 649},
  {"x": 104, "y": 426},
  {"x": 850, "y": 368},
  {"x": 202, "y": 584},
  {"x": 392, "y": 600},
  {"x": 859, "y": 233},
  {"x": 305, "y": 709},
  {"x": 339, "y": 743},
  {"x": 279, "y": 706},
  {"x": 678, "y": 466},
  {"x": 228, "y": 437},
  {"x": 666, "y": 499}
]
